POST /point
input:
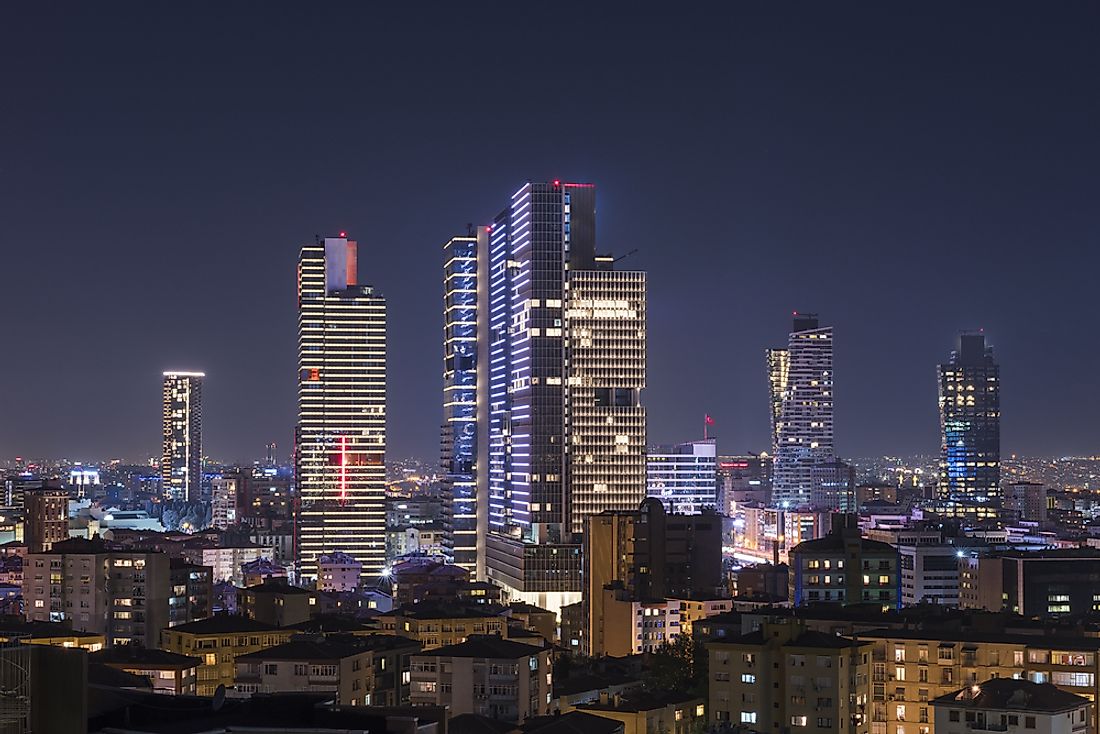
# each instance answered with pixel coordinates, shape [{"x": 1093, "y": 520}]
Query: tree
[{"x": 680, "y": 665}]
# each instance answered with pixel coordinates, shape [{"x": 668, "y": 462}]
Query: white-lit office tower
[
  {"x": 563, "y": 339},
  {"x": 341, "y": 434},
  {"x": 684, "y": 477},
  {"x": 804, "y": 427},
  {"x": 181, "y": 455},
  {"x": 460, "y": 435}
]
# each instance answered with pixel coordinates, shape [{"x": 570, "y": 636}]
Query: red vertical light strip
[{"x": 343, "y": 469}]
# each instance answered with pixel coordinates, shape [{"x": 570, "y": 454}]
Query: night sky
[{"x": 905, "y": 170}]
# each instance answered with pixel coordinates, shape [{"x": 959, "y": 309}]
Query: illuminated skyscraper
[
  {"x": 181, "y": 455},
  {"x": 562, "y": 340},
  {"x": 804, "y": 427},
  {"x": 341, "y": 434},
  {"x": 970, "y": 423},
  {"x": 778, "y": 365},
  {"x": 459, "y": 444}
]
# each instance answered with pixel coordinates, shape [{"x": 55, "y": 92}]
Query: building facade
[
  {"x": 46, "y": 518},
  {"x": 181, "y": 455},
  {"x": 845, "y": 568},
  {"x": 341, "y": 434},
  {"x": 564, "y": 339},
  {"x": 501, "y": 679},
  {"x": 970, "y": 423},
  {"x": 804, "y": 427},
  {"x": 683, "y": 477},
  {"x": 1013, "y": 707},
  {"x": 786, "y": 678},
  {"x": 118, "y": 593},
  {"x": 224, "y": 491},
  {"x": 460, "y": 374}
]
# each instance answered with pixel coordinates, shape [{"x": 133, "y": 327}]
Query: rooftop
[
  {"x": 278, "y": 586},
  {"x": 145, "y": 656},
  {"x": 952, "y": 637},
  {"x": 486, "y": 647},
  {"x": 1010, "y": 694},
  {"x": 478, "y": 724},
  {"x": 808, "y": 638},
  {"x": 835, "y": 543},
  {"x": 306, "y": 649},
  {"x": 575, "y": 722},
  {"x": 222, "y": 623},
  {"x": 641, "y": 702}
]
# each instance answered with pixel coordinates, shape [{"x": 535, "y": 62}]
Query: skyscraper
[
  {"x": 341, "y": 434},
  {"x": 803, "y": 419},
  {"x": 970, "y": 423},
  {"x": 562, "y": 340},
  {"x": 460, "y": 436},
  {"x": 181, "y": 455},
  {"x": 778, "y": 366}
]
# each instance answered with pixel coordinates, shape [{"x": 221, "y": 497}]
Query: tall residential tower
[
  {"x": 341, "y": 435},
  {"x": 181, "y": 456},
  {"x": 802, "y": 414},
  {"x": 562, "y": 363},
  {"x": 970, "y": 423}
]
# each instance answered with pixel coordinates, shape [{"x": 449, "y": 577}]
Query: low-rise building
[
  {"x": 911, "y": 667},
  {"x": 1013, "y": 707},
  {"x": 929, "y": 574},
  {"x": 694, "y": 610},
  {"x": 167, "y": 672},
  {"x": 225, "y": 560},
  {"x": 844, "y": 568},
  {"x": 276, "y": 603},
  {"x": 484, "y": 675},
  {"x": 218, "y": 641},
  {"x": 436, "y": 625},
  {"x": 338, "y": 572},
  {"x": 191, "y": 594},
  {"x": 56, "y": 634},
  {"x": 654, "y": 713},
  {"x": 359, "y": 671}
]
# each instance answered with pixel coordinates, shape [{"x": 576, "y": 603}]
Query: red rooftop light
[{"x": 343, "y": 234}]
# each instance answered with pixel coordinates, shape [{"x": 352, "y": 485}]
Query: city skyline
[{"x": 798, "y": 200}]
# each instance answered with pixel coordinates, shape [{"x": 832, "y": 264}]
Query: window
[
  {"x": 953, "y": 715},
  {"x": 1013, "y": 720},
  {"x": 899, "y": 654},
  {"x": 900, "y": 712},
  {"x": 1018, "y": 657},
  {"x": 798, "y": 721},
  {"x": 1072, "y": 679},
  {"x": 745, "y": 678},
  {"x": 899, "y": 672},
  {"x": 1029, "y": 722},
  {"x": 748, "y": 717},
  {"x": 823, "y": 722},
  {"x": 269, "y": 669}
]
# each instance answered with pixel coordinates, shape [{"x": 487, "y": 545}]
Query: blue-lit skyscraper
[
  {"x": 561, "y": 339},
  {"x": 970, "y": 423},
  {"x": 460, "y": 358}
]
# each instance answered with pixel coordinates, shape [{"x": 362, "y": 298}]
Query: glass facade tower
[
  {"x": 341, "y": 434},
  {"x": 561, "y": 338},
  {"x": 804, "y": 427},
  {"x": 459, "y": 447},
  {"x": 970, "y": 423}
]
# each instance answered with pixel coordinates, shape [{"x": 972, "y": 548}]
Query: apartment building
[
  {"x": 490, "y": 676},
  {"x": 435, "y": 625},
  {"x": 218, "y": 641},
  {"x": 912, "y": 667},
  {"x": 787, "y": 678},
  {"x": 167, "y": 672},
  {"x": 1013, "y": 707},
  {"x": 359, "y": 671},
  {"x": 97, "y": 587}
]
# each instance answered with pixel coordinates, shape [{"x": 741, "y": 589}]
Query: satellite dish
[{"x": 219, "y": 698}]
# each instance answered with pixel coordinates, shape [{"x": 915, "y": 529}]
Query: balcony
[{"x": 986, "y": 726}]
